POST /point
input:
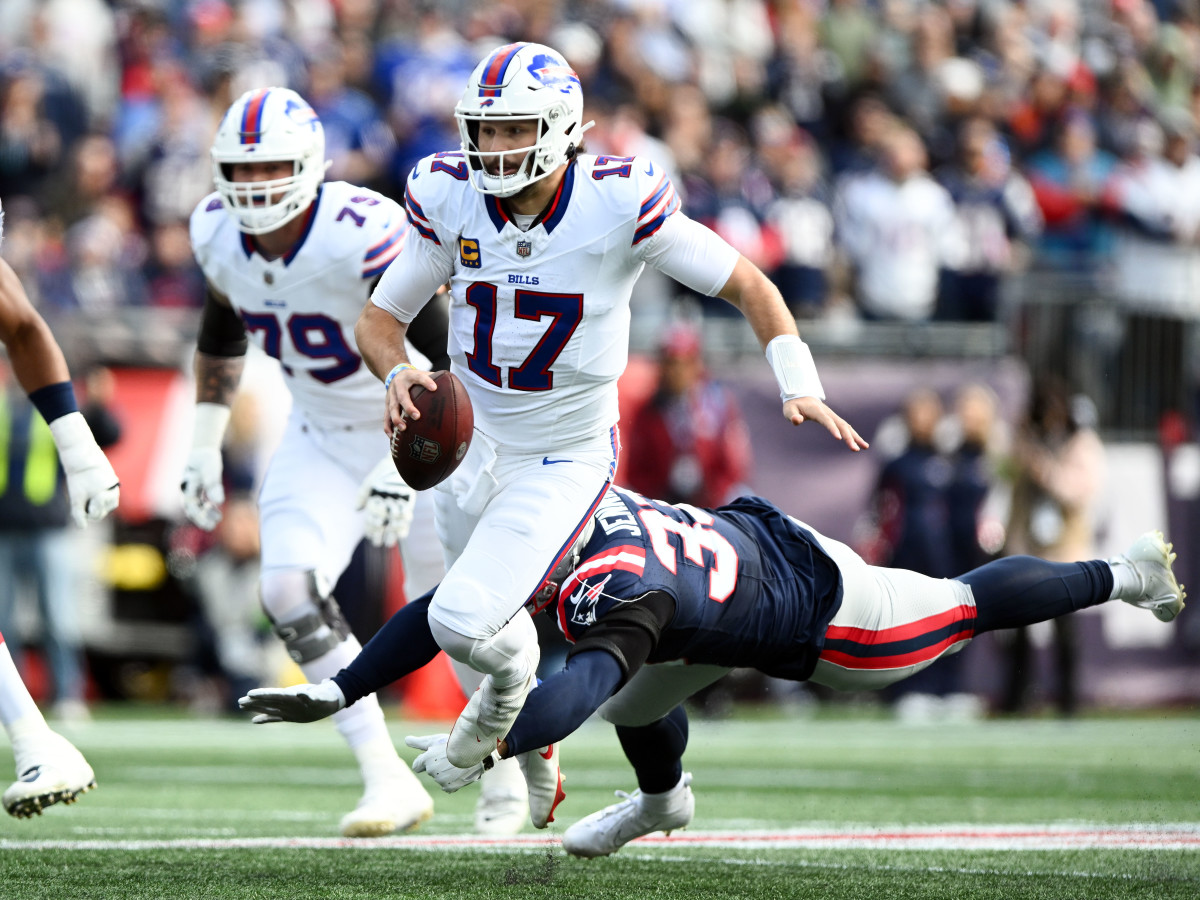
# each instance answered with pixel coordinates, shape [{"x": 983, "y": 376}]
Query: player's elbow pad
[{"x": 221, "y": 331}]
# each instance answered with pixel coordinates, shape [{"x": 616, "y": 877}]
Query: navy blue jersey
[{"x": 751, "y": 586}]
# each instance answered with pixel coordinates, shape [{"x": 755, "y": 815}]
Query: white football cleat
[
  {"x": 393, "y": 804},
  {"x": 1151, "y": 557},
  {"x": 503, "y": 805},
  {"x": 49, "y": 770},
  {"x": 544, "y": 779},
  {"x": 486, "y": 720},
  {"x": 610, "y": 829}
]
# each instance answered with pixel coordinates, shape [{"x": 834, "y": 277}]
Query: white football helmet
[
  {"x": 268, "y": 125},
  {"x": 521, "y": 81}
]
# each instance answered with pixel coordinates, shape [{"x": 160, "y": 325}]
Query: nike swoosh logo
[
  {"x": 547, "y": 461},
  {"x": 549, "y": 752},
  {"x": 650, "y": 168}
]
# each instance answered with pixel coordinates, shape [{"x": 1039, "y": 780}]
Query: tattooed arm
[{"x": 220, "y": 358}]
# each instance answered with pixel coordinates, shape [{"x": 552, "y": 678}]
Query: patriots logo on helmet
[{"x": 553, "y": 73}]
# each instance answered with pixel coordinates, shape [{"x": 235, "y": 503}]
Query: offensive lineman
[
  {"x": 650, "y": 585},
  {"x": 541, "y": 244},
  {"x": 290, "y": 260},
  {"x": 49, "y": 768}
]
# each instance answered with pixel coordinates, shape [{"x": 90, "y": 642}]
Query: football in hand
[{"x": 431, "y": 447}]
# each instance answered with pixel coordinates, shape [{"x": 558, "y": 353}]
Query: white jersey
[
  {"x": 539, "y": 318},
  {"x": 301, "y": 308}
]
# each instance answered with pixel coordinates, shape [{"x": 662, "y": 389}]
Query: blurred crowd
[{"x": 886, "y": 159}]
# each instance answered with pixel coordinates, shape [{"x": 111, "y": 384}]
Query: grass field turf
[{"x": 786, "y": 808}]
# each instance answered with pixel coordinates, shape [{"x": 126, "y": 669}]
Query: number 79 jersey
[
  {"x": 301, "y": 308},
  {"x": 751, "y": 586},
  {"x": 539, "y": 317}
]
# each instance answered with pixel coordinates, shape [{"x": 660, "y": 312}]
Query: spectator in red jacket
[{"x": 688, "y": 442}]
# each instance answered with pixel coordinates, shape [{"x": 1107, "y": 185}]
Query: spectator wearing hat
[{"x": 689, "y": 442}]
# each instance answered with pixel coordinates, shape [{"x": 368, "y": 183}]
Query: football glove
[
  {"x": 388, "y": 503},
  {"x": 433, "y": 763},
  {"x": 203, "y": 489},
  {"x": 301, "y": 703},
  {"x": 544, "y": 779},
  {"x": 91, "y": 482}
]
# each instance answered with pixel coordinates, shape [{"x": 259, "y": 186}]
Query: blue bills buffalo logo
[
  {"x": 468, "y": 253},
  {"x": 301, "y": 114},
  {"x": 425, "y": 450},
  {"x": 524, "y": 248},
  {"x": 553, "y": 73}
]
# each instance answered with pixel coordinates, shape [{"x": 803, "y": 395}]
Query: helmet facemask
[
  {"x": 290, "y": 132},
  {"x": 521, "y": 83}
]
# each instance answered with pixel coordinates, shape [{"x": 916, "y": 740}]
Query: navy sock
[
  {"x": 1022, "y": 590},
  {"x": 401, "y": 646},
  {"x": 656, "y": 750}
]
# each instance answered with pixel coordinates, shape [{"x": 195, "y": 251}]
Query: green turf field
[{"x": 824, "y": 807}]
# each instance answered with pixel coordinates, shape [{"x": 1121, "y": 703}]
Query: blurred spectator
[
  {"x": 102, "y": 269},
  {"x": 800, "y": 213},
  {"x": 998, "y": 215},
  {"x": 688, "y": 443},
  {"x": 31, "y": 145},
  {"x": 173, "y": 279},
  {"x": 357, "y": 140},
  {"x": 38, "y": 550},
  {"x": 1069, "y": 182},
  {"x": 898, "y": 229},
  {"x": 976, "y": 535},
  {"x": 92, "y": 176},
  {"x": 1059, "y": 472}
]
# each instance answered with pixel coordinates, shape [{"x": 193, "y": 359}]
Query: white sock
[
  {"x": 18, "y": 713},
  {"x": 363, "y": 722},
  {"x": 378, "y": 761},
  {"x": 1127, "y": 583}
]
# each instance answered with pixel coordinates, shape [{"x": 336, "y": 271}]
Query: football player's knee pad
[
  {"x": 303, "y": 613},
  {"x": 509, "y": 653}
]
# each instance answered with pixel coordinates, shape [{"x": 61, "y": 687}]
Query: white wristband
[
  {"x": 74, "y": 441},
  {"x": 209, "y": 430},
  {"x": 794, "y": 369}
]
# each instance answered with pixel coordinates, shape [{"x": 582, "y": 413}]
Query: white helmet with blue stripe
[
  {"x": 269, "y": 125},
  {"x": 521, "y": 81}
]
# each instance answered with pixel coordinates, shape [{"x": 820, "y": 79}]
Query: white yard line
[{"x": 1185, "y": 836}]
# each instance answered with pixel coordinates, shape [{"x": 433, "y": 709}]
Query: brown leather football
[{"x": 431, "y": 447}]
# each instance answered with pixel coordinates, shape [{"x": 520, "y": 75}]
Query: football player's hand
[
  {"x": 433, "y": 763},
  {"x": 399, "y": 401},
  {"x": 801, "y": 409},
  {"x": 203, "y": 491},
  {"x": 92, "y": 484},
  {"x": 388, "y": 503},
  {"x": 301, "y": 703}
]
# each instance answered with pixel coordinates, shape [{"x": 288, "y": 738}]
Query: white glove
[
  {"x": 91, "y": 482},
  {"x": 433, "y": 763},
  {"x": 388, "y": 502},
  {"x": 301, "y": 703},
  {"x": 203, "y": 490},
  {"x": 544, "y": 780}
]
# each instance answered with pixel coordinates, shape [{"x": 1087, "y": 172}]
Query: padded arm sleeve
[
  {"x": 630, "y": 632},
  {"x": 401, "y": 646},
  {"x": 563, "y": 702},
  {"x": 692, "y": 254},
  {"x": 428, "y": 332},
  {"x": 222, "y": 332}
]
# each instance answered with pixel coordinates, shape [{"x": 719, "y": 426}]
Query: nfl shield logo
[
  {"x": 425, "y": 450},
  {"x": 524, "y": 248}
]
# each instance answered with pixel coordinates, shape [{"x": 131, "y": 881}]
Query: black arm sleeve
[
  {"x": 563, "y": 702},
  {"x": 428, "y": 332},
  {"x": 401, "y": 646},
  {"x": 630, "y": 632},
  {"x": 222, "y": 332}
]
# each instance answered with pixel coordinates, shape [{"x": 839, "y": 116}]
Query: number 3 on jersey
[
  {"x": 693, "y": 541},
  {"x": 315, "y": 336},
  {"x": 565, "y": 312}
]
